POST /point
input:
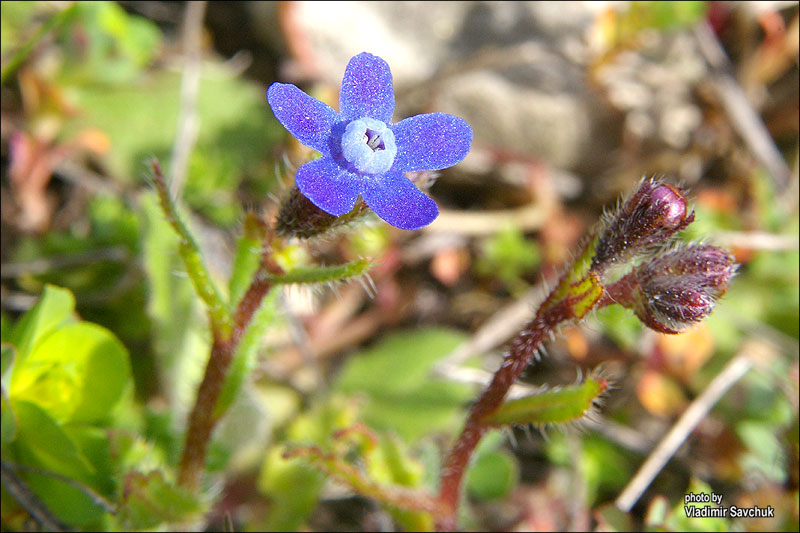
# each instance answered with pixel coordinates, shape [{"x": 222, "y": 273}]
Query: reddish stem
[
  {"x": 522, "y": 350},
  {"x": 202, "y": 419}
]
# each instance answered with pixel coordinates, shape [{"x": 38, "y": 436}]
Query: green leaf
[
  {"x": 563, "y": 405},
  {"x": 149, "y": 501},
  {"x": 324, "y": 274},
  {"x": 8, "y": 420},
  {"x": 78, "y": 373},
  {"x": 492, "y": 476},
  {"x": 765, "y": 451},
  {"x": 7, "y": 358},
  {"x": 54, "y": 308},
  {"x": 41, "y": 443},
  {"x": 494, "y": 472},
  {"x": 395, "y": 377}
]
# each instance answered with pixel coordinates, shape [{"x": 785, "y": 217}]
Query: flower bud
[
  {"x": 299, "y": 217},
  {"x": 679, "y": 288},
  {"x": 653, "y": 214}
]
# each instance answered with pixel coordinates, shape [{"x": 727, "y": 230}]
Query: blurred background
[{"x": 571, "y": 104}]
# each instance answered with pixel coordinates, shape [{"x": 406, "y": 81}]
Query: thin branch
[
  {"x": 186, "y": 135},
  {"x": 745, "y": 119},
  {"x": 758, "y": 240},
  {"x": 28, "y": 500},
  {"x": 699, "y": 408},
  {"x": 526, "y": 218}
]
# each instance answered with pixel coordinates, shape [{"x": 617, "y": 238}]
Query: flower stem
[
  {"x": 523, "y": 349},
  {"x": 578, "y": 292},
  {"x": 202, "y": 419},
  {"x": 192, "y": 259}
]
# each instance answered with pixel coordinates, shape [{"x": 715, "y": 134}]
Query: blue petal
[
  {"x": 367, "y": 89},
  {"x": 398, "y": 201},
  {"x": 430, "y": 142},
  {"x": 329, "y": 186},
  {"x": 306, "y": 118}
]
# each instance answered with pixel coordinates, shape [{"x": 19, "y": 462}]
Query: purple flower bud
[
  {"x": 653, "y": 214},
  {"x": 679, "y": 288}
]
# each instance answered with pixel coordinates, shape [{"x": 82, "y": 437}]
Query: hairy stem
[
  {"x": 522, "y": 350},
  {"x": 576, "y": 294},
  {"x": 202, "y": 419}
]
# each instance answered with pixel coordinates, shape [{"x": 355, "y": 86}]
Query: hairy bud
[
  {"x": 653, "y": 214},
  {"x": 300, "y": 218},
  {"x": 679, "y": 288}
]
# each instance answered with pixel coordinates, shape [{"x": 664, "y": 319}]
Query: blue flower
[{"x": 362, "y": 151}]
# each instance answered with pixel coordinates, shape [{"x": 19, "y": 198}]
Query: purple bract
[{"x": 362, "y": 151}]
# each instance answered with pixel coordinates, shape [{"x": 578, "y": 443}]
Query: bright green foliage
[
  {"x": 563, "y": 405},
  {"x": 395, "y": 378},
  {"x": 664, "y": 15},
  {"x": 8, "y": 420},
  {"x": 293, "y": 487},
  {"x": 77, "y": 373},
  {"x": 53, "y": 310},
  {"x": 64, "y": 393},
  {"x": 68, "y": 376}
]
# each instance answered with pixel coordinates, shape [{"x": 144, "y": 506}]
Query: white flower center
[{"x": 369, "y": 145}]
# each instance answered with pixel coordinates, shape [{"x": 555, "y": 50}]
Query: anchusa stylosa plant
[{"x": 364, "y": 158}]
